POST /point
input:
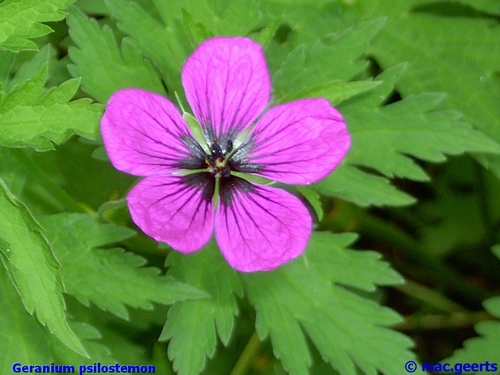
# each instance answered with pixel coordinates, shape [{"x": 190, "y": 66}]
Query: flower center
[{"x": 217, "y": 160}]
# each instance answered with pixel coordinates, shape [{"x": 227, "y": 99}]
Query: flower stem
[{"x": 246, "y": 357}]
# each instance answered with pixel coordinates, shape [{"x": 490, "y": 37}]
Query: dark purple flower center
[
  {"x": 218, "y": 162},
  {"x": 219, "y": 158}
]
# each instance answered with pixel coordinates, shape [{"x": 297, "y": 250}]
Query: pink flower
[{"x": 227, "y": 84}]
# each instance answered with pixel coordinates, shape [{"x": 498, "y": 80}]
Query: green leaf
[
  {"x": 385, "y": 139},
  {"x": 90, "y": 336},
  {"x": 166, "y": 45},
  {"x": 181, "y": 28},
  {"x": 20, "y": 20},
  {"x": 451, "y": 217},
  {"x": 29, "y": 71},
  {"x": 198, "y": 321},
  {"x": 110, "y": 339},
  {"x": 204, "y": 19},
  {"x": 490, "y": 6},
  {"x": 28, "y": 83},
  {"x": 109, "y": 278},
  {"x": 6, "y": 60},
  {"x": 103, "y": 66},
  {"x": 92, "y": 6},
  {"x": 304, "y": 22},
  {"x": 456, "y": 55},
  {"x": 313, "y": 199},
  {"x": 32, "y": 267},
  {"x": 31, "y": 116},
  {"x": 317, "y": 72},
  {"x": 485, "y": 347},
  {"x": 40, "y": 125},
  {"x": 23, "y": 339},
  {"x": 365, "y": 189},
  {"x": 335, "y": 91},
  {"x": 13, "y": 174},
  {"x": 315, "y": 296}
]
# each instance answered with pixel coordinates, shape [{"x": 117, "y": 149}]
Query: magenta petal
[
  {"x": 177, "y": 210},
  {"x": 144, "y": 133},
  {"x": 299, "y": 142},
  {"x": 261, "y": 228},
  {"x": 227, "y": 84}
]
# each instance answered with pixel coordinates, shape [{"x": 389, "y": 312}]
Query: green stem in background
[
  {"x": 429, "y": 296},
  {"x": 247, "y": 356},
  {"x": 442, "y": 321},
  {"x": 392, "y": 235},
  {"x": 484, "y": 208},
  {"x": 350, "y": 217},
  {"x": 34, "y": 171}
]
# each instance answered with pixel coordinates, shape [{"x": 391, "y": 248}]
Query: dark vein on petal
[
  {"x": 191, "y": 157},
  {"x": 239, "y": 188},
  {"x": 185, "y": 187}
]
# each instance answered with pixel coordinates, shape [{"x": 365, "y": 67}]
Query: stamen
[{"x": 217, "y": 160}]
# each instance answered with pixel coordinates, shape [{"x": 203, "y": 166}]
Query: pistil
[{"x": 217, "y": 160}]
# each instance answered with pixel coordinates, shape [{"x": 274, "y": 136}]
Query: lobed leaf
[
  {"x": 335, "y": 91},
  {"x": 179, "y": 28},
  {"x": 201, "y": 321},
  {"x": 109, "y": 278},
  {"x": 365, "y": 189},
  {"x": 305, "y": 23},
  {"x": 24, "y": 340},
  {"x": 31, "y": 116},
  {"x": 387, "y": 139},
  {"x": 315, "y": 296},
  {"x": 165, "y": 44},
  {"x": 384, "y": 139},
  {"x": 28, "y": 83},
  {"x": 28, "y": 260},
  {"x": 317, "y": 72},
  {"x": 204, "y": 19},
  {"x": 90, "y": 336},
  {"x": 456, "y": 53},
  {"x": 485, "y": 347},
  {"x": 103, "y": 66},
  {"x": 20, "y": 20},
  {"x": 451, "y": 216}
]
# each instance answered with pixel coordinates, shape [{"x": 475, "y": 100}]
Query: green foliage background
[{"x": 418, "y": 82}]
